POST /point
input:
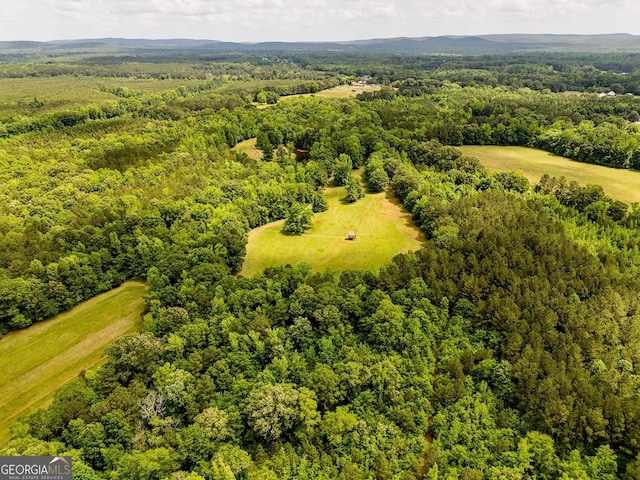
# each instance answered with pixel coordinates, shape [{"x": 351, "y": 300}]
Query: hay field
[
  {"x": 623, "y": 185},
  {"x": 38, "y": 360}
]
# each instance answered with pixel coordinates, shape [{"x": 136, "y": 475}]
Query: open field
[
  {"x": 383, "y": 230},
  {"x": 341, "y": 91},
  {"x": 249, "y": 147},
  {"x": 623, "y": 185},
  {"x": 65, "y": 90},
  {"x": 38, "y": 360},
  {"x": 345, "y": 91}
]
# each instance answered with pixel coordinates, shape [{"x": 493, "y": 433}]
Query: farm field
[
  {"x": 623, "y": 185},
  {"x": 383, "y": 230},
  {"x": 38, "y": 360}
]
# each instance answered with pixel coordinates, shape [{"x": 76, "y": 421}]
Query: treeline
[
  {"x": 586, "y": 128},
  {"x": 557, "y": 72},
  {"x": 237, "y": 67},
  {"x": 170, "y": 105}
]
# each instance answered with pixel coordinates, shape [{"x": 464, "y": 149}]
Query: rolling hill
[{"x": 479, "y": 44}]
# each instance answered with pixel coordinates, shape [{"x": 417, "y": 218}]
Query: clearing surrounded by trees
[
  {"x": 620, "y": 184},
  {"x": 249, "y": 147},
  {"x": 340, "y": 91},
  {"x": 383, "y": 229}
]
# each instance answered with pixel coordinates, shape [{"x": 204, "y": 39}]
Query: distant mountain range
[{"x": 479, "y": 44}]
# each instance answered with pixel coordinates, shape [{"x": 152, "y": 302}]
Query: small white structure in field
[{"x": 351, "y": 235}]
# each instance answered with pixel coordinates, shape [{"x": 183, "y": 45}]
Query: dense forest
[{"x": 508, "y": 347}]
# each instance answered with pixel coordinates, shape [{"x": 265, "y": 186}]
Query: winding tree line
[{"x": 506, "y": 348}]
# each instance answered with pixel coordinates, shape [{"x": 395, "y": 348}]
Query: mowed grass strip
[
  {"x": 382, "y": 227},
  {"x": 623, "y": 185},
  {"x": 38, "y": 360}
]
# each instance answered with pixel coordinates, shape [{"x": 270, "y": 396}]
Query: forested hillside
[
  {"x": 508, "y": 347},
  {"x": 458, "y": 44}
]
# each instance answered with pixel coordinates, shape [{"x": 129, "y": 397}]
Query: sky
[{"x": 308, "y": 20}]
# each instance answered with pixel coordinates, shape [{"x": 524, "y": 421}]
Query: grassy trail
[{"x": 38, "y": 360}]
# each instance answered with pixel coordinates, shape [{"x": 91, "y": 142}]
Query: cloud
[{"x": 258, "y": 20}]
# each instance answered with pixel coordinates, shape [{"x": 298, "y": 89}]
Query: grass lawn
[
  {"x": 249, "y": 147},
  {"x": 623, "y": 185},
  {"x": 38, "y": 360},
  {"x": 382, "y": 227}
]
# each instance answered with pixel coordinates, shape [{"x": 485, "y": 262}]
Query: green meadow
[
  {"x": 55, "y": 92},
  {"x": 341, "y": 91},
  {"x": 382, "y": 227},
  {"x": 623, "y": 185},
  {"x": 38, "y": 360},
  {"x": 249, "y": 147}
]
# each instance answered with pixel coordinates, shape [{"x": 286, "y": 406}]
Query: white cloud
[{"x": 257, "y": 20}]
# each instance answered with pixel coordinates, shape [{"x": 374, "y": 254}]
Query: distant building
[
  {"x": 301, "y": 154},
  {"x": 609, "y": 94},
  {"x": 351, "y": 235},
  {"x": 363, "y": 84}
]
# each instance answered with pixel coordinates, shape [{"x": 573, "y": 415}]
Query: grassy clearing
[
  {"x": 623, "y": 185},
  {"x": 382, "y": 227},
  {"x": 62, "y": 91},
  {"x": 341, "y": 91},
  {"x": 249, "y": 147},
  {"x": 345, "y": 91},
  {"x": 38, "y": 360}
]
